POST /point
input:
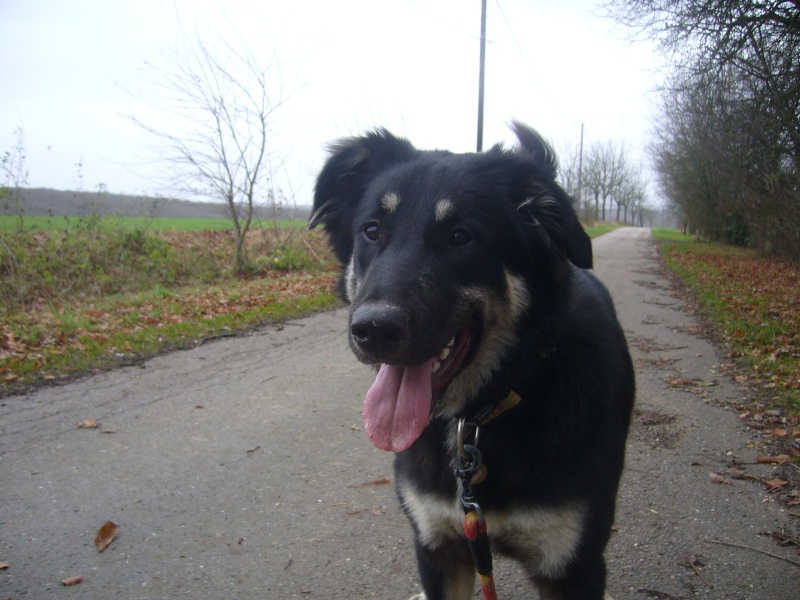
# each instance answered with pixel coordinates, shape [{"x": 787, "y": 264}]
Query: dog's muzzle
[{"x": 379, "y": 331}]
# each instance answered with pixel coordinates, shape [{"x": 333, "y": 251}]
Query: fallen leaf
[
  {"x": 773, "y": 460},
  {"x": 778, "y": 431},
  {"x": 72, "y": 580},
  {"x": 88, "y": 424},
  {"x": 775, "y": 484},
  {"x": 716, "y": 478},
  {"x": 374, "y": 483},
  {"x": 106, "y": 535},
  {"x": 738, "y": 473}
]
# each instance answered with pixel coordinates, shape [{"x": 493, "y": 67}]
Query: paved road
[{"x": 241, "y": 469}]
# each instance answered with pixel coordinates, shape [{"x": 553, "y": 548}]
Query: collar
[{"x": 494, "y": 409}]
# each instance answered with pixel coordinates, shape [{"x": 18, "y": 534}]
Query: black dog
[{"x": 465, "y": 275}]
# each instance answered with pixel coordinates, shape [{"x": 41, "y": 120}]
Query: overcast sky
[{"x": 68, "y": 70}]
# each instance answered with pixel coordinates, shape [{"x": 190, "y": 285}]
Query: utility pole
[
  {"x": 482, "y": 77},
  {"x": 580, "y": 171}
]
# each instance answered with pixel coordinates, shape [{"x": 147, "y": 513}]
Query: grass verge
[
  {"x": 50, "y": 223},
  {"x": 753, "y": 303},
  {"x": 57, "y": 341},
  {"x": 99, "y": 295},
  {"x": 596, "y": 230}
]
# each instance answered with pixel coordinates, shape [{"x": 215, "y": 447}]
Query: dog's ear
[
  {"x": 547, "y": 204},
  {"x": 352, "y": 165}
]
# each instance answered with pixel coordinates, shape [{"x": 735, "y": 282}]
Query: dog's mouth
[
  {"x": 398, "y": 405},
  {"x": 450, "y": 359}
]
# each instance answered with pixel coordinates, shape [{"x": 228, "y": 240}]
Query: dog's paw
[{"x": 418, "y": 597}]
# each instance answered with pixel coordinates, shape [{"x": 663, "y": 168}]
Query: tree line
[
  {"x": 606, "y": 182},
  {"x": 727, "y": 144}
]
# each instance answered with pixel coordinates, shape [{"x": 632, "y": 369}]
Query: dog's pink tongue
[{"x": 397, "y": 406}]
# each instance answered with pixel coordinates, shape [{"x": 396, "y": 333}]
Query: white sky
[{"x": 346, "y": 66}]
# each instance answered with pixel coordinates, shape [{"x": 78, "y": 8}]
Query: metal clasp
[{"x": 460, "y": 438}]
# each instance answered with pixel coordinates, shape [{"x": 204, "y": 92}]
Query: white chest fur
[{"x": 547, "y": 538}]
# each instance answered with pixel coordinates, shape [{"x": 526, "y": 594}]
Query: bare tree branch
[{"x": 216, "y": 102}]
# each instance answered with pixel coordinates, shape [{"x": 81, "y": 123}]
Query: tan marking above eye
[
  {"x": 390, "y": 201},
  {"x": 444, "y": 209}
]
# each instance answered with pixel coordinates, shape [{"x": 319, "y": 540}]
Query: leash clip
[
  {"x": 470, "y": 469},
  {"x": 462, "y": 454}
]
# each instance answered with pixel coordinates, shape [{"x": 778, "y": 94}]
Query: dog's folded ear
[
  {"x": 554, "y": 212},
  {"x": 547, "y": 204},
  {"x": 352, "y": 165}
]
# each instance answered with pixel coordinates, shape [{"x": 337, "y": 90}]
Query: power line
[
  {"x": 482, "y": 76},
  {"x": 530, "y": 66}
]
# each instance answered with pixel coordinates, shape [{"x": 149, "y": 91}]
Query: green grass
[
  {"x": 751, "y": 303},
  {"x": 103, "y": 291},
  {"x": 597, "y": 230},
  {"x": 668, "y": 234},
  {"x": 40, "y": 223},
  {"x": 63, "y": 340}
]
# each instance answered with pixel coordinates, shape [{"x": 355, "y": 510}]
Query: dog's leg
[
  {"x": 586, "y": 584},
  {"x": 447, "y": 572}
]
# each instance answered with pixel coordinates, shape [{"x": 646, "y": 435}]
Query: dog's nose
[{"x": 378, "y": 330}]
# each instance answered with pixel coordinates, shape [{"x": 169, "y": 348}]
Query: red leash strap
[
  {"x": 471, "y": 471},
  {"x": 475, "y": 530}
]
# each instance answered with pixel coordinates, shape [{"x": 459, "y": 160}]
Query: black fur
[{"x": 502, "y": 270}]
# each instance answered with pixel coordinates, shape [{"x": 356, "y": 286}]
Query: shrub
[
  {"x": 96, "y": 256},
  {"x": 736, "y": 231}
]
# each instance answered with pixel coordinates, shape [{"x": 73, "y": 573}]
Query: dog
[{"x": 469, "y": 282}]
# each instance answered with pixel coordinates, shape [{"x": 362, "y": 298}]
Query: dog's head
[{"x": 444, "y": 255}]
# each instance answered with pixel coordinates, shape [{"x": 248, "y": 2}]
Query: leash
[{"x": 471, "y": 471}]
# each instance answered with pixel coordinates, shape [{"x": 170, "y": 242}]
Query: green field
[
  {"x": 597, "y": 230},
  {"x": 10, "y": 223}
]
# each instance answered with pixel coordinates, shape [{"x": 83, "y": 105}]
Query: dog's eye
[
  {"x": 371, "y": 231},
  {"x": 459, "y": 237}
]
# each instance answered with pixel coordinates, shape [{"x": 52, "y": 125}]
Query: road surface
[{"x": 241, "y": 469}]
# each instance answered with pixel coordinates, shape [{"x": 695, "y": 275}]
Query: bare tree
[
  {"x": 569, "y": 173},
  {"x": 630, "y": 194},
  {"x": 604, "y": 169},
  {"x": 217, "y": 102},
  {"x": 728, "y": 149},
  {"x": 13, "y": 166},
  {"x": 568, "y": 160}
]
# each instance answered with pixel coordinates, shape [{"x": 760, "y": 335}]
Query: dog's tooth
[
  {"x": 436, "y": 366},
  {"x": 444, "y": 353},
  {"x": 452, "y": 342}
]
